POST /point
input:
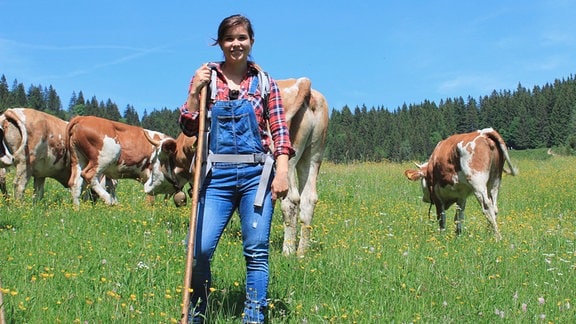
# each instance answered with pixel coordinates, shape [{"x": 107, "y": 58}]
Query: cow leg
[
  {"x": 94, "y": 176},
  {"x": 289, "y": 213},
  {"x": 3, "y": 182},
  {"x": 100, "y": 190},
  {"x": 489, "y": 211},
  {"x": 441, "y": 216},
  {"x": 307, "y": 174},
  {"x": 75, "y": 183},
  {"x": 39, "y": 188},
  {"x": 459, "y": 216},
  {"x": 289, "y": 207},
  {"x": 20, "y": 180},
  {"x": 495, "y": 187},
  {"x": 111, "y": 185}
]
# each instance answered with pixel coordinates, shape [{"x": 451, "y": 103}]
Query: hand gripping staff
[{"x": 198, "y": 161}]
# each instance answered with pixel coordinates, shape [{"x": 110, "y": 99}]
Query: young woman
[{"x": 243, "y": 128}]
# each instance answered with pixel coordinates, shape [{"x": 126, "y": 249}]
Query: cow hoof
[{"x": 179, "y": 199}]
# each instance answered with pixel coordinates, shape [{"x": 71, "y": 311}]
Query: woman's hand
[
  {"x": 280, "y": 183},
  {"x": 201, "y": 79}
]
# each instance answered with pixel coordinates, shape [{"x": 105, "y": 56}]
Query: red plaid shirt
[{"x": 282, "y": 146}]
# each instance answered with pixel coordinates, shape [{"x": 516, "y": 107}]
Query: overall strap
[{"x": 264, "y": 85}]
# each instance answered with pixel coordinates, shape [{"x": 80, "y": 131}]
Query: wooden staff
[
  {"x": 194, "y": 212},
  {"x": 2, "y": 318}
]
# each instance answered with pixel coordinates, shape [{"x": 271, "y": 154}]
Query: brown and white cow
[
  {"x": 307, "y": 116},
  {"x": 462, "y": 165},
  {"x": 117, "y": 150},
  {"x": 35, "y": 143}
]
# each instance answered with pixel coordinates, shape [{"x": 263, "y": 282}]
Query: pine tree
[
  {"x": 18, "y": 96},
  {"x": 4, "y": 93}
]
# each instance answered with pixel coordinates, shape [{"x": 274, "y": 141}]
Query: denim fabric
[{"x": 227, "y": 188}]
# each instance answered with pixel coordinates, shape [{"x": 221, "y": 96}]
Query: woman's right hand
[{"x": 201, "y": 78}]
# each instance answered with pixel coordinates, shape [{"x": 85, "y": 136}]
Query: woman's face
[{"x": 236, "y": 44}]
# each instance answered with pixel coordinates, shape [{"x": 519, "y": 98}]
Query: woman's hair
[{"x": 231, "y": 22}]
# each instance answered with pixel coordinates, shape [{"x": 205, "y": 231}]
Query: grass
[{"x": 376, "y": 256}]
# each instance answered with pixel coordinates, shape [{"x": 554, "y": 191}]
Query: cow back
[{"x": 39, "y": 140}]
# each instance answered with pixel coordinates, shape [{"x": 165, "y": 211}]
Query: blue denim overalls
[{"x": 237, "y": 161}]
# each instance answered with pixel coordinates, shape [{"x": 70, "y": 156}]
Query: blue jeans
[{"x": 227, "y": 188}]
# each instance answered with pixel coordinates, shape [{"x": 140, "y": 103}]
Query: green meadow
[{"x": 377, "y": 256}]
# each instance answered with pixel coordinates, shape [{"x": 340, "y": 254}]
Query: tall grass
[{"x": 376, "y": 256}]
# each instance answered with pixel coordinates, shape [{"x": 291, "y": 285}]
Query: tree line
[
  {"x": 544, "y": 116},
  {"x": 527, "y": 119},
  {"x": 46, "y": 99}
]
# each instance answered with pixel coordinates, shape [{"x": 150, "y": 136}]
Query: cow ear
[
  {"x": 169, "y": 146},
  {"x": 413, "y": 174}
]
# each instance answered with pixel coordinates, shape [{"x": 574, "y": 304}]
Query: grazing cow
[
  {"x": 462, "y": 165},
  {"x": 117, "y": 150},
  {"x": 307, "y": 116},
  {"x": 35, "y": 143}
]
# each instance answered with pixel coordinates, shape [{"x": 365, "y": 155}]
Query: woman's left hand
[{"x": 280, "y": 182}]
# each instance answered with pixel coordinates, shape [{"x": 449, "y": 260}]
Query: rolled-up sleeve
[
  {"x": 278, "y": 125},
  {"x": 188, "y": 121}
]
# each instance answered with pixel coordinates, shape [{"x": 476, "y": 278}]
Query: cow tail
[
  {"x": 13, "y": 116},
  {"x": 69, "y": 149},
  {"x": 495, "y": 136}
]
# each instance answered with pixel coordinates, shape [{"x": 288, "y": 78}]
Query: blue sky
[{"x": 373, "y": 53}]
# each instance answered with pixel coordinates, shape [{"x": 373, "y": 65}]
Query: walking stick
[
  {"x": 193, "y": 213},
  {"x": 2, "y": 319}
]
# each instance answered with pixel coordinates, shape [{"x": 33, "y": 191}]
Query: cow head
[
  {"x": 171, "y": 165},
  {"x": 161, "y": 179},
  {"x": 420, "y": 174}
]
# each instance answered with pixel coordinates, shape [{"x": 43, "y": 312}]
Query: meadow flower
[
  {"x": 142, "y": 265},
  {"x": 524, "y": 307},
  {"x": 541, "y": 300}
]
